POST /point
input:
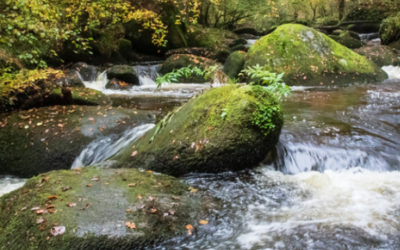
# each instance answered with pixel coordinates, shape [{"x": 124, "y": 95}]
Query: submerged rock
[
  {"x": 213, "y": 132},
  {"x": 40, "y": 140},
  {"x": 380, "y": 55},
  {"x": 98, "y": 209},
  {"x": 234, "y": 64},
  {"x": 182, "y": 60},
  {"x": 308, "y": 57},
  {"x": 123, "y": 73},
  {"x": 80, "y": 96},
  {"x": 117, "y": 85}
]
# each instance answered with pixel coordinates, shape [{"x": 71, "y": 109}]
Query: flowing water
[
  {"x": 333, "y": 181},
  {"x": 147, "y": 75}
]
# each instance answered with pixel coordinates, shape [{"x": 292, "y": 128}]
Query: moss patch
[
  {"x": 234, "y": 64},
  {"x": 213, "y": 132},
  {"x": 308, "y": 57},
  {"x": 160, "y": 206}
]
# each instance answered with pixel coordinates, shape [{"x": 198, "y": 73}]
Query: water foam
[
  {"x": 392, "y": 71},
  {"x": 8, "y": 185},
  {"x": 353, "y": 198}
]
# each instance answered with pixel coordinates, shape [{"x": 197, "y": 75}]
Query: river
[{"x": 332, "y": 182}]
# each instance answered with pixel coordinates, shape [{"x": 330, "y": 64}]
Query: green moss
[
  {"x": 347, "y": 41},
  {"x": 389, "y": 31},
  {"x": 123, "y": 73},
  {"x": 381, "y": 56},
  {"x": 82, "y": 96},
  {"x": 198, "y": 138},
  {"x": 309, "y": 57},
  {"x": 234, "y": 64},
  {"x": 98, "y": 219}
]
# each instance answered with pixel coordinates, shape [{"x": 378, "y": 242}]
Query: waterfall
[
  {"x": 99, "y": 83},
  {"x": 102, "y": 149},
  {"x": 147, "y": 74},
  {"x": 9, "y": 184},
  {"x": 368, "y": 36},
  {"x": 392, "y": 71}
]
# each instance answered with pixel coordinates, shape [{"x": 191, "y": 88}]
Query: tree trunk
[{"x": 341, "y": 9}]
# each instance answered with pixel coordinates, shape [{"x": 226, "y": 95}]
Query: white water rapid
[
  {"x": 102, "y": 149},
  {"x": 392, "y": 71},
  {"x": 9, "y": 184}
]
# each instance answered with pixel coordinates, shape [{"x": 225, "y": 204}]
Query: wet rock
[
  {"x": 347, "y": 41},
  {"x": 222, "y": 54},
  {"x": 117, "y": 85},
  {"x": 86, "y": 72},
  {"x": 240, "y": 41},
  {"x": 308, "y": 57},
  {"x": 71, "y": 78},
  {"x": 123, "y": 73},
  {"x": 380, "y": 55},
  {"x": 213, "y": 132},
  {"x": 234, "y": 64},
  {"x": 80, "y": 96},
  {"x": 179, "y": 61},
  {"x": 40, "y": 140},
  {"x": 396, "y": 46},
  {"x": 246, "y": 30},
  {"x": 100, "y": 210}
]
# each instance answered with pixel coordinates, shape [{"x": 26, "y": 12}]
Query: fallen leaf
[
  {"x": 52, "y": 197},
  {"x": 139, "y": 197},
  {"x": 150, "y": 171},
  {"x": 95, "y": 179},
  {"x": 153, "y": 210},
  {"x": 128, "y": 210},
  {"x": 57, "y": 230},
  {"x": 151, "y": 198},
  {"x": 132, "y": 184},
  {"x": 70, "y": 204},
  {"x": 89, "y": 185},
  {"x": 50, "y": 206},
  {"x": 35, "y": 208},
  {"x": 134, "y": 153},
  {"x": 131, "y": 225},
  {"x": 203, "y": 222},
  {"x": 52, "y": 211},
  {"x": 189, "y": 227}
]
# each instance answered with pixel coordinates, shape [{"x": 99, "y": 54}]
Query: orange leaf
[
  {"x": 130, "y": 225},
  {"x": 52, "y": 197}
]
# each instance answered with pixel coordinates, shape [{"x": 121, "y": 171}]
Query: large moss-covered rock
[
  {"x": 40, "y": 140},
  {"x": 380, "y": 55},
  {"x": 389, "y": 31},
  {"x": 308, "y": 57},
  {"x": 234, "y": 64},
  {"x": 395, "y": 46},
  {"x": 123, "y": 73},
  {"x": 213, "y": 132},
  {"x": 94, "y": 208},
  {"x": 178, "y": 61}
]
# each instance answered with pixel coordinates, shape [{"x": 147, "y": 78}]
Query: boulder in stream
[
  {"x": 225, "y": 129},
  {"x": 380, "y": 55},
  {"x": 178, "y": 61},
  {"x": 45, "y": 139},
  {"x": 234, "y": 64},
  {"x": 308, "y": 57},
  {"x": 123, "y": 73},
  {"x": 96, "y": 208}
]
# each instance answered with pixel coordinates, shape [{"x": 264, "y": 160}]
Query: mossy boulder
[
  {"x": 213, "y": 132},
  {"x": 346, "y": 40},
  {"x": 380, "y": 55},
  {"x": 96, "y": 208},
  {"x": 195, "y": 51},
  {"x": 40, "y": 140},
  {"x": 87, "y": 72},
  {"x": 234, "y": 64},
  {"x": 389, "y": 30},
  {"x": 308, "y": 57},
  {"x": 181, "y": 60},
  {"x": 123, "y": 73},
  {"x": 349, "y": 33}
]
